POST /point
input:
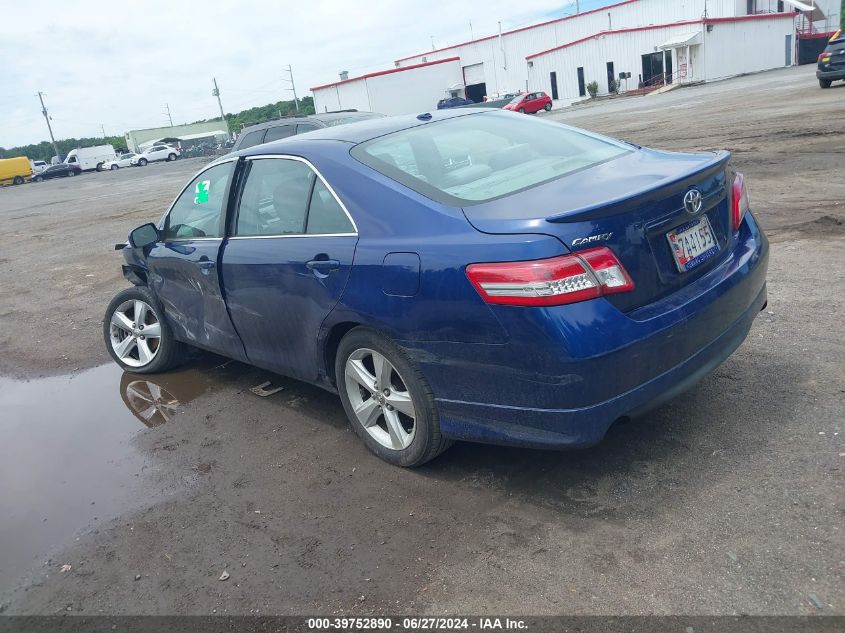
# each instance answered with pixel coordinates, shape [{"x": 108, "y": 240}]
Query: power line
[
  {"x": 292, "y": 88},
  {"x": 167, "y": 113},
  {"x": 216, "y": 93},
  {"x": 49, "y": 127}
]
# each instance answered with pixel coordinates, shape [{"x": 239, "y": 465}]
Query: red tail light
[
  {"x": 548, "y": 282},
  {"x": 739, "y": 201},
  {"x": 824, "y": 57}
]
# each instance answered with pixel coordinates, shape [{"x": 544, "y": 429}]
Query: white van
[
  {"x": 90, "y": 157},
  {"x": 38, "y": 166}
]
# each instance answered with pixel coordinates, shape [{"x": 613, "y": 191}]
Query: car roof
[
  {"x": 325, "y": 118},
  {"x": 361, "y": 131}
]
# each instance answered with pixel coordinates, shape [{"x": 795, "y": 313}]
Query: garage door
[{"x": 474, "y": 74}]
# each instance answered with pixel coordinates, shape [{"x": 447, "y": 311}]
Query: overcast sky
[{"x": 116, "y": 64}]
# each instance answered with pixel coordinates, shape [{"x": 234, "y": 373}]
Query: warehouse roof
[
  {"x": 741, "y": 18},
  {"x": 519, "y": 30},
  {"x": 386, "y": 72}
]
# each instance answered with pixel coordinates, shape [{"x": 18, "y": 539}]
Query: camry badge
[{"x": 601, "y": 237}]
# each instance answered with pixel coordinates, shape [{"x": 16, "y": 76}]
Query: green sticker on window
[{"x": 202, "y": 192}]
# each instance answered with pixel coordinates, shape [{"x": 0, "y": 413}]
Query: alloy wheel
[
  {"x": 380, "y": 399},
  {"x": 135, "y": 333}
]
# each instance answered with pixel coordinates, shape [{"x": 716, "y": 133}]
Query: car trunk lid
[{"x": 629, "y": 205}]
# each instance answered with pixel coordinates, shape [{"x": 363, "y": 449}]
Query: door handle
[
  {"x": 323, "y": 265},
  {"x": 205, "y": 264}
]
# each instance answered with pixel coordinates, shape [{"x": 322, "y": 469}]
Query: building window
[{"x": 582, "y": 87}]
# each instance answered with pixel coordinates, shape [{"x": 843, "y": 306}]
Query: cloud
[{"x": 116, "y": 64}]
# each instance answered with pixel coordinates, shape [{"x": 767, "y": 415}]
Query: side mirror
[{"x": 144, "y": 235}]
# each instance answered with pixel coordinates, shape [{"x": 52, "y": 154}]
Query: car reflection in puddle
[
  {"x": 155, "y": 399},
  {"x": 66, "y": 456}
]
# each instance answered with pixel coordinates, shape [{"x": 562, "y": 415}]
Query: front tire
[
  {"x": 38, "y": 179},
  {"x": 547, "y": 107},
  {"x": 825, "y": 83},
  {"x": 142, "y": 162},
  {"x": 71, "y": 173},
  {"x": 17, "y": 180},
  {"x": 388, "y": 402},
  {"x": 522, "y": 110},
  {"x": 171, "y": 157},
  {"x": 114, "y": 167},
  {"x": 136, "y": 336}
]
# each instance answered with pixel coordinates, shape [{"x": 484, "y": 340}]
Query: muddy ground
[{"x": 726, "y": 501}]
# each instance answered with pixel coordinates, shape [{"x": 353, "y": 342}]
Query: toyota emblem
[{"x": 692, "y": 201}]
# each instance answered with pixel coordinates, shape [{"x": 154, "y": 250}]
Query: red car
[{"x": 530, "y": 103}]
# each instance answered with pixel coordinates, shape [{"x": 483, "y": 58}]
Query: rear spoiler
[{"x": 719, "y": 159}]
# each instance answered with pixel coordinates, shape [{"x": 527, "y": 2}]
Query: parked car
[
  {"x": 555, "y": 282},
  {"x": 124, "y": 160},
  {"x": 155, "y": 153},
  {"x": 38, "y": 166},
  {"x": 291, "y": 126},
  {"x": 58, "y": 171},
  {"x": 530, "y": 103},
  {"x": 831, "y": 65},
  {"x": 453, "y": 102},
  {"x": 15, "y": 171}
]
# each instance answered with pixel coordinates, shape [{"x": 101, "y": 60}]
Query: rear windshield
[{"x": 480, "y": 157}]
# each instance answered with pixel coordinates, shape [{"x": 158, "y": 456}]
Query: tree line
[{"x": 259, "y": 114}]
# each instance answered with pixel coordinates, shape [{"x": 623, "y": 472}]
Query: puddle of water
[{"x": 66, "y": 460}]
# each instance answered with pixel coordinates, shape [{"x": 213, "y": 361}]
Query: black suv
[
  {"x": 832, "y": 61},
  {"x": 289, "y": 126}
]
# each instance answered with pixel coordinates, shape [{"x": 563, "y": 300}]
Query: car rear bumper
[
  {"x": 831, "y": 75},
  {"x": 564, "y": 378}
]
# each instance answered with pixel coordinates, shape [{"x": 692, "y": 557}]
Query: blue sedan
[{"x": 465, "y": 275}]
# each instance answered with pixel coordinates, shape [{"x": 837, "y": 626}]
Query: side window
[
  {"x": 275, "y": 198},
  {"x": 325, "y": 215},
  {"x": 253, "y": 138},
  {"x": 275, "y": 133},
  {"x": 305, "y": 127},
  {"x": 197, "y": 212}
]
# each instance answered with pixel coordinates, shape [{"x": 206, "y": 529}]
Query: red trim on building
[
  {"x": 386, "y": 72},
  {"x": 651, "y": 27},
  {"x": 519, "y": 30}
]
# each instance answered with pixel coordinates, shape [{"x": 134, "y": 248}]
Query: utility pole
[
  {"x": 577, "y": 6},
  {"x": 292, "y": 88},
  {"x": 216, "y": 93},
  {"x": 167, "y": 113},
  {"x": 103, "y": 128},
  {"x": 49, "y": 127}
]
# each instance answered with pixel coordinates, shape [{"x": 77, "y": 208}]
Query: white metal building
[
  {"x": 395, "y": 91},
  {"x": 656, "y": 41}
]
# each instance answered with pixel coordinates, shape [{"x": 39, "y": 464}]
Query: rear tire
[
  {"x": 171, "y": 157},
  {"x": 120, "y": 328},
  {"x": 38, "y": 179},
  {"x": 522, "y": 110},
  {"x": 17, "y": 180},
  {"x": 71, "y": 173},
  {"x": 825, "y": 83},
  {"x": 142, "y": 162},
  {"x": 416, "y": 438},
  {"x": 99, "y": 166}
]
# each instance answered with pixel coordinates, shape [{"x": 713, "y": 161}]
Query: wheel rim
[
  {"x": 135, "y": 333},
  {"x": 380, "y": 399},
  {"x": 113, "y": 167}
]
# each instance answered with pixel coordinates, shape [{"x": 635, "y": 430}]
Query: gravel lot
[{"x": 730, "y": 502}]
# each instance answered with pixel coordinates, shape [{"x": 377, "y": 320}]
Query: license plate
[{"x": 692, "y": 243}]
